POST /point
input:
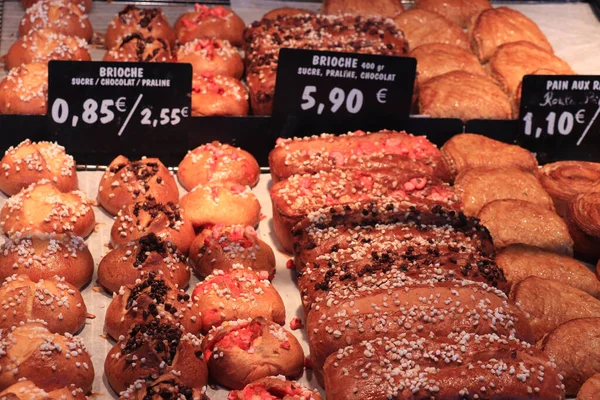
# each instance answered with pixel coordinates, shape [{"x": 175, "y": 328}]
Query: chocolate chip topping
[
  {"x": 154, "y": 208},
  {"x": 153, "y": 244},
  {"x": 163, "y": 338},
  {"x": 157, "y": 289}
]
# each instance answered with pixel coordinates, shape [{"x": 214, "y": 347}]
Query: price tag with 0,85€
[
  {"x": 324, "y": 91},
  {"x": 559, "y": 117}
]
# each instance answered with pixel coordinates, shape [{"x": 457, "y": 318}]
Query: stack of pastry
[
  {"x": 407, "y": 294},
  {"x": 49, "y": 30},
  {"x": 44, "y": 263}
]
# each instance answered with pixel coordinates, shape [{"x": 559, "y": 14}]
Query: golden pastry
[
  {"x": 422, "y": 27},
  {"x": 435, "y": 59},
  {"x": 461, "y": 12}
]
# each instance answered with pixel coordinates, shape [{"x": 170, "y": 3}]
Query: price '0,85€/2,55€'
[{"x": 103, "y": 112}]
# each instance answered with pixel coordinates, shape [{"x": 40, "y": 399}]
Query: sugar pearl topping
[
  {"x": 236, "y": 241},
  {"x": 240, "y": 285},
  {"x": 39, "y": 13},
  {"x": 207, "y": 83},
  {"x": 46, "y": 44},
  {"x": 207, "y": 48},
  {"x": 30, "y": 81},
  {"x": 47, "y": 158}
]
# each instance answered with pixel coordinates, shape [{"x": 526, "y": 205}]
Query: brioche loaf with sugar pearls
[
  {"x": 126, "y": 182},
  {"x": 27, "y": 390},
  {"x": 151, "y": 297},
  {"x": 237, "y": 294},
  {"x": 222, "y": 247},
  {"x": 42, "y": 208},
  {"x": 30, "y": 162},
  {"x": 376, "y": 150},
  {"x": 240, "y": 352},
  {"x": 460, "y": 365},
  {"x": 49, "y": 360},
  {"x": 55, "y": 302},
  {"x": 295, "y": 197},
  {"x": 129, "y": 262},
  {"x": 24, "y": 90},
  {"x": 347, "y": 33},
  {"x": 43, "y": 45},
  {"x": 166, "y": 220},
  {"x": 146, "y": 22},
  {"x": 45, "y": 256},
  {"x": 152, "y": 349}
]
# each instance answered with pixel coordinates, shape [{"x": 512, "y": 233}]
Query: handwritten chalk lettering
[
  {"x": 337, "y": 73},
  {"x": 309, "y": 71},
  {"x": 335, "y": 61},
  {"x": 580, "y": 85},
  {"x": 557, "y": 85},
  {"x": 551, "y": 100},
  {"x": 121, "y": 72}
]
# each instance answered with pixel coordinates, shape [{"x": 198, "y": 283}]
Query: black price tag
[
  {"x": 324, "y": 91},
  {"x": 559, "y": 117}
]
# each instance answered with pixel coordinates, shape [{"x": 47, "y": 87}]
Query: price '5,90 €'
[
  {"x": 106, "y": 110},
  {"x": 352, "y": 101}
]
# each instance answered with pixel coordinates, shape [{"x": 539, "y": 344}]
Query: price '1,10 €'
[{"x": 352, "y": 101}]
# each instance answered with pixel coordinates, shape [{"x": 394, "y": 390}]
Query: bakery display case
[{"x": 233, "y": 258}]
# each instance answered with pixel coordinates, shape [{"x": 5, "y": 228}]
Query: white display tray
[{"x": 97, "y": 300}]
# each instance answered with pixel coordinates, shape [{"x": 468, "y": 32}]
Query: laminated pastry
[
  {"x": 520, "y": 262},
  {"x": 423, "y": 27},
  {"x": 217, "y": 162},
  {"x": 126, "y": 182},
  {"x": 355, "y": 150},
  {"x": 548, "y": 304},
  {"x": 264, "y": 38},
  {"x": 166, "y": 386},
  {"x": 27, "y": 390},
  {"x": 137, "y": 48},
  {"x": 218, "y": 95},
  {"x": 221, "y": 203},
  {"x": 221, "y": 247},
  {"x": 294, "y": 198},
  {"x": 24, "y": 90},
  {"x": 461, "y": 12},
  {"x": 166, "y": 220},
  {"x": 218, "y": 57},
  {"x": 55, "y": 302},
  {"x": 51, "y": 361},
  {"x": 463, "y": 95},
  {"x": 240, "y": 352},
  {"x": 84, "y": 5},
  {"x": 366, "y": 260},
  {"x": 377, "y": 8},
  {"x": 237, "y": 294},
  {"x": 479, "y": 186},
  {"x": 583, "y": 220},
  {"x": 132, "y": 261},
  {"x": 469, "y": 150},
  {"x": 590, "y": 390},
  {"x": 522, "y": 222},
  {"x": 564, "y": 180},
  {"x": 517, "y": 96},
  {"x": 42, "y": 208},
  {"x": 152, "y": 349},
  {"x": 274, "y": 388},
  {"x": 152, "y": 297},
  {"x": 575, "y": 348},
  {"x": 440, "y": 310},
  {"x": 497, "y": 26},
  {"x": 512, "y": 61},
  {"x": 465, "y": 366},
  {"x": 207, "y": 22},
  {"x": 43, "y": 45},
  {"x": 435, "y": 59},
  {"x": 46, "y": 256},
  {"x": 30, "y": 162},
  {"x": 61, "y": 16},
  {"x": 146, "y": 22}
]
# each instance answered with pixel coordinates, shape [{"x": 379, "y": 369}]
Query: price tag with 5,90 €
[
  {"x": 324, "y": 91},
  {"x": 559, "y": 117}
]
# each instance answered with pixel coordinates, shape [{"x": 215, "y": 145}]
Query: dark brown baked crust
[
  {"x": 152, "y": 349},
  {"x": 461, "y": 365},
  {"x": 132, "y": 261},
  {"x": 325, "y": 32},
  {"x": 137, "y": 48},
  {"x": 167, "y": 221},
  {"x": 240, "y": 352},
  {"x": 146, "y": 22},
  {"x": 355, "y": 150},
  {"x": 152, "y": 297}
]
